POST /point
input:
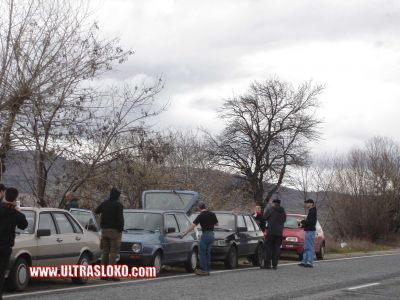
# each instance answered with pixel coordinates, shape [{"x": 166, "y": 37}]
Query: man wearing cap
[
  {"x": 207, "y": 221},
  {"x": 10, "y": 218},
  {"x": 276, "y": 218},
  {"x": 309, "y": 225}
]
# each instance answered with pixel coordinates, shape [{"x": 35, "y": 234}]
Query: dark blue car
[{"x": 151, "y": 235}]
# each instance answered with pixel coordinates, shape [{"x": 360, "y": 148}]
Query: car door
[
  {"x": 48, "y": 247},
  {"x": 70, "y": 239},
  {"x": 173, "y": 243},
  {"x": 189, "y": 239},
  {"x": 251, "y": 235},
  {"x": 242, "y": 236}
]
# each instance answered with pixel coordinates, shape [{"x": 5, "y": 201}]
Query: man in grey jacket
[{"x": 276, "y": 218}]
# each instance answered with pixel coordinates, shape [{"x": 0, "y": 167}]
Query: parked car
[
  {"x": 293, "y": 237},
  {"x": 53, "y": 238},
  {"x": 237, "y": 235},
  {"x": 86, "y": 218},
  {"x": 151, "y": 236}
]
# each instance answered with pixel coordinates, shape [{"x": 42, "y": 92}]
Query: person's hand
[{"x": 182, "y": 235}]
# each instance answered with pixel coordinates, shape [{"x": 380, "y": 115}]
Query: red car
[{"x": 293, "y": 237}]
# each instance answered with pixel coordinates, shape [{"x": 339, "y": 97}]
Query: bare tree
[
  {"x": 48, "y": 49},
  {"x": 267, "y": 131}
]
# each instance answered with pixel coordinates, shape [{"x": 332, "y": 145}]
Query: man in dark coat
[
  {"x": 309, "y": 225},
  {"x": 276, "y": 218},
  {"x": 112, "y": 224},
  {"x": 10, "y": 218}
]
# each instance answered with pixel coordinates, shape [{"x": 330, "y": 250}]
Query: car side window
[
  {"x": 47, "y": 222},
  {"x": 75, "y": 224},
  {"x": 170, "y": 222},
  {"x": 240, "y": 221},
  {"x": 249, "y": 224},
  {"x": 183, "y": 222},
  {"x": 256, "y": 226},
  {"x": 64, "y": 225},
  {"x": 318, "y": 227}
]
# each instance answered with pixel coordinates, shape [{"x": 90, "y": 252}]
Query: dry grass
[{"x": 360, "y": 245}]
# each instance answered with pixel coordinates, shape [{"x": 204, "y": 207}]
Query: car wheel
[
  {"x": 83, "y": 260},
  {"x": 321, "y": 253},
  {"x": 19, "y": 276},
  {"x": 191, "y": 263},
  {"x": 258, "y": 257},
  {"x": 231, "y": 260},
  {"x": 157, "y": 262}
]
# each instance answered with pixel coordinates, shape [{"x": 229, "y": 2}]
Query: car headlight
[
  {"x": 292, "y": 239},
  {"x": 136, "y": 247},
  {"x": 220, "y": 243}
]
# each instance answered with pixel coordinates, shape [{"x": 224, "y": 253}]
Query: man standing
[
  {"x": 258, "y": 216},
  {"x": 309, "y": 225},
  {"x": 207, "y": 221},
  {"x": 10, "y": 218},
  {"x": 276, "y": 218},
  {"x": 70, "y": 201},
  {"x": 112, "y": 224}
]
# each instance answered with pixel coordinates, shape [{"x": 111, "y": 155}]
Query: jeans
[
  {"x": 309, "y": 251},
  {"x": 5, "y": 253},
  {"x": 206, "y": 241},
  {"x": 272, "y": 250}
]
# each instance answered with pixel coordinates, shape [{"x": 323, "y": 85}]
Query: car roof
[
  {"x": 42, "y": 209},
  {"x": 296, "y": 215},
  {"x": 229, "y": 212},
  {"x": 155, "y": 211}
]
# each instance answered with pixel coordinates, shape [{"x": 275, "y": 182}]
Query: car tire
[
  {"x": 83, "y": 260},
  {"x": 192, "y": 261},
  {"x": 231, "y": 260},
  {"x": 320, "y": 255},
  {"x": 18, "y": 278},
  {"x": 157, "y": 262},
  {"x": 258, "y": 257}
]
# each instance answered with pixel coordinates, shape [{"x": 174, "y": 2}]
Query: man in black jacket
[
  {"x": 10, "y": 218},
  {"x": 276, "y": 218},
  {"x": 309, "y": 225},
  {"x": 112, "y": 224}
]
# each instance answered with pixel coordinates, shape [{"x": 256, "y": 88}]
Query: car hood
[
  {"x": 140, "y": 237},
  {"x": 295, "y": 232}
]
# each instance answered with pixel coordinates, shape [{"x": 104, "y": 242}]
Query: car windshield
[
  {"x": 291, "y": 221},
  {"x": 225, "y": 221},
  {"x": 142, "y": 221},
  {"x": 30, "y": 217},
  {"x": 167, "y": 200}
]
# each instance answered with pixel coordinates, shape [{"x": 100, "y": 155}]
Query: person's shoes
[
  {"x": 201, "y": 272},
  {"x": 301, "y": 264},
  {"x": 309, "y": 266},
  {"x": 275, "y": 267},
  {"x": 268, "y": 267}
]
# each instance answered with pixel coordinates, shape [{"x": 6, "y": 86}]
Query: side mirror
[
  {"x": 241, "y": 229},
  {"x": 171, "y": 230},
  {"x": 43, "y": 232}
]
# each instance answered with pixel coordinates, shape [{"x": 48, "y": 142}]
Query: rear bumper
[{"x": 292, "y": 247}]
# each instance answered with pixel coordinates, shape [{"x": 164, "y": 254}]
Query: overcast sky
[{"x": 209, "y": 50}]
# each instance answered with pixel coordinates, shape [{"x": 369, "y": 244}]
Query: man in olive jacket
[{"x": 276, "y": 218}]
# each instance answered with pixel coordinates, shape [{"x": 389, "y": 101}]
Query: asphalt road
[{"x": 365, "y": 277}]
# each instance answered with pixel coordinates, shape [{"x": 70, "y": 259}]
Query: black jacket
[
  {"x": 10, "y": 218},
  {"x": 276, "y": 218},
  {"x": 311, "y": 221},
  {"x": 260, "y": 221},
  {"x": 111, "y": 211}
]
